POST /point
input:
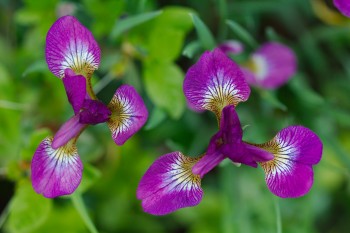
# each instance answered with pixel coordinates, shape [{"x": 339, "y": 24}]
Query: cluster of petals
[
  {"x": 72, "y": 54},
  {"x": 217, "y": 84},
  {"x": 268, "y": 67}
]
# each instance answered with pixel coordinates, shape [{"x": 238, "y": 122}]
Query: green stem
[
  {"x": 81, "y": 208},
  {"x": 278, "y": 216},
  {"x": 103, "y": 82}
]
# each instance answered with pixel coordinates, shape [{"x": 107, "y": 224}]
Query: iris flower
[
  {"x": 72, "y": 54},
  {"x": 343, "y": 6},
  {"x": 270, "y": 66},
  {"x": 216, "y": 83}
]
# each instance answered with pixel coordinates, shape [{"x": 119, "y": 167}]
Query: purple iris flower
[
  {"x": 72, "y": 55},
  {"x": 216, "y": 83},
  {"x": 343, "y": 6},
  {"x": 270, "y": 66}
]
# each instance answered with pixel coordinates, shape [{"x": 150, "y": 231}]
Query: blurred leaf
[
  {"x": 80, "y": 207},
  {"x": 28, "y": 210},
  {"x": 270, "y": 97},
  {"x": 191, "y": 49},
  {"x": 163, "y": 82},
  {"x": 34, "y": 141},
  {"x": 37, "y": 66},
  {"x": 90, "y": 176},
  {"x": 123, "y": 25},
  {"x": 242, "y": 34},
  {"x": 272, "y": 35},
  {"x": 204, "y": 35},
  {"x": 157, "y": 117}
]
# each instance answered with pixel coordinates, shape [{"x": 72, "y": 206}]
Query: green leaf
[
  {"x": 90, "y": 176},
  {"x": 28, "y": 210},
  {"x": 242, "y": 34},
  {"x": 34, "y": 141},
  {"x": 37, "y": 66},
  {"x": 191, "y": 49},
  {"x": 157, "y": 117},
  {"x": 123, "y": 25},
  {"x": 271, "y": 98},
  {"x": 81, "y": 208},
  {"x": 163, "y": 82},
  {"x": 205, "y": 36}
]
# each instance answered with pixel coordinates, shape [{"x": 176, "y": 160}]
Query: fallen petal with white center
[
  {"x": 290, "y": 173},
  {"x": 70, "y": 45},
  {"x": 56, "y": 172},
  {"x": 169, "y": 185},
  {"x": 129, "y": 114},
  {"x": 214, "y": 82}
]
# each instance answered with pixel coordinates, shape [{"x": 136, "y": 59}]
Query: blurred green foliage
[{"x": 142, "y": 42}]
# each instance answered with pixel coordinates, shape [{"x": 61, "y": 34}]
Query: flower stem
[
  {"x": 4, "y": 214},
  {"x": 278, "y": 216},
  {"x": 81, "y": 208}
]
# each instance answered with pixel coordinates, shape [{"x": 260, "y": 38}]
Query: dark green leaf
[
  {"x": 204, "y": 35},
  {"x": 242, "y": 33}
]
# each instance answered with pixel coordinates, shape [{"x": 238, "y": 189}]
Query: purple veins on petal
[
  {"x": 169, "y": 185},
  {"x": 214, "y": 82},
  {"x": 94, "y": 112},
  {"x": 231, "y": 47},
  {"x": 70, "y": 45},
  {"x": 295, "y": 150},
  {"x": 75, "y": 86},
  {"x": 56, "y": 172},
  {"x": 271, "y": 66},
  {"x": 129, "y": 114},
  {"x": 343, "y": 6}
]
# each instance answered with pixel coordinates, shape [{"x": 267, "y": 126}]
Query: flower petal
[
  {"x": 296, "y": 149},
  {"x": 94, "y": 112},
  {"x": 70, "y": 45},
  {"x": 56, "y": 172},
  {"x": 169, "y": 185},
  {"x": 68, "y": 130},
  {"x": 231, "y": 47},
  {"x": 214, "y": 82},
  {"x": 343, "y": 6},
  {"x": 75, "y": 86},
  {"x": 129, "y": 114},
  {"x": 271, "y": 66}
]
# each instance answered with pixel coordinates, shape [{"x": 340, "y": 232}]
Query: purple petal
[
  {"x": 296, "y": 149},
  {"x": 271, "y": 66},
  {"x": 169, "y": 185},
  {"x": 75, "y": 86},
  {"x": 231, "y": 47},
  {"x": 207, "y": 162},
  {"x": 68, "y": 130},
  {"x": 94, "y": 112},
  {"x": 55, "y": 172},
  {"x": 214, "y": 82},
  {"x": 129, "y": 114},
  {"x": 343, "y": 6},
  {"x": 70, "y": 45}
]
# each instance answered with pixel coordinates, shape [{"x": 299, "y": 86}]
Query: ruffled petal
[
  {"x": 129, "y": 114},
  {"x": 68, "y": 131},
  {"x": 295, "y": 150},
  {"x": 169, "y": 185},
  {"x": 271, "y": 66},
  {"x": 343, "y": 6},
  {"x": 70, "y": 45},
  {"x": 214, "y": 82},
  {"x": 231, "y": 47},
  {"x": 56, "y": 172},
  {"x": 75, "y": 86},
  {"x": 94, "y": 112}
]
